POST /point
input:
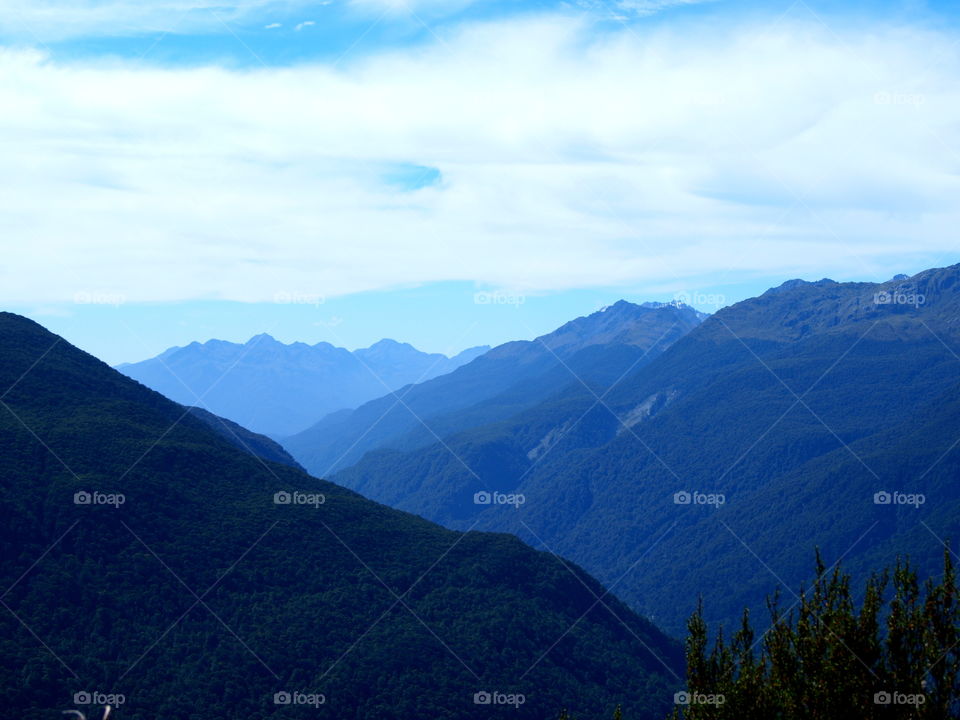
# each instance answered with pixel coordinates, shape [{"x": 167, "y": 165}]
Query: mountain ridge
[
  {"x": 756, "y": 395},
  {"x": 202, "y": 590},
  {"x": 276, "y": 388},
  {"x": 503, "y": 380}
]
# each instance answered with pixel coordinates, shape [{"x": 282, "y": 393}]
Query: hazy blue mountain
[
  {"x": 798, "y": 406},
  {"x": 278, "y": 389},
  {"x": 208, "y": 593},
  {"x": 595, "y": 349}
]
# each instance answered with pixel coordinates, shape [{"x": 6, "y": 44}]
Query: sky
[{"x": 452, "y": 173}]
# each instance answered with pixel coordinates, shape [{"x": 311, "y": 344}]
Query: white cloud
[
  {"x": 272, "y": 26},
  {"x": 567, "y": 160},
  {"x": 306, "y": 23}
]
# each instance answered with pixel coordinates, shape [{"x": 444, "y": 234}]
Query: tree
[{"x": 828, "y": 659}]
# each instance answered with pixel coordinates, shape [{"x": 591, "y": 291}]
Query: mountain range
[
  {"x": 147, "y": 557},
  {"x": 277, "y": 389},
  {"x": 160, "y": 551},
  {"x": 805, "y": 417},
  {"x": 595, "y": 350}
]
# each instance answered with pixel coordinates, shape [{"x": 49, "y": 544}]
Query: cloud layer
[{"x": 565, "y": 159}]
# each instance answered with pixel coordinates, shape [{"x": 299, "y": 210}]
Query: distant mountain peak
[
  {"x": 390, "y": 344},
  {"x": 626, "y": 305},
  {"x": 622, "y": 322},
  {"x": 678, "y": 304},
  {"x": 278, "y": 389}
]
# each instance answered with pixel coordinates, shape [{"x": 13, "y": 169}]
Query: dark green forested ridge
[{"x": 199, "y": 597}]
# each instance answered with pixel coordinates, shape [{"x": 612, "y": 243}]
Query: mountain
[
  {"x": 257, "y": 445},
  {"x": 596, "y": 349},
  {"x": 794, "y": 409},
  {"x": 277, "y": 389},
  {"x": 147, "y": 558}
]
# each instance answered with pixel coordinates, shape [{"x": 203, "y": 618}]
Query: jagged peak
[{"x": 675, "y": 304}]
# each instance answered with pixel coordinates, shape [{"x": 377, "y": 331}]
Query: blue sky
[{"x": 173, "y": 168}]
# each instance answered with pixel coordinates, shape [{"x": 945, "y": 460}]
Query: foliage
[{"x": 827, "y": 658}]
